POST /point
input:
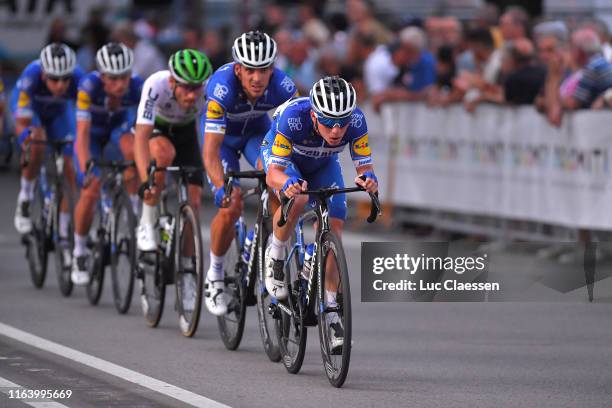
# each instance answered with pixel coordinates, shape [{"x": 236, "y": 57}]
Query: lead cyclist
[{"x": 301, "y": 150}]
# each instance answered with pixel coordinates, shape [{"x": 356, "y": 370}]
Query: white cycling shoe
[
  {"x": 275, "y": 277},
  {"x": 214, "y": 296},
  {"x": 23, "y": 222},
  {"x": 80, "y": 270},
  {"x": 146, "y": 237}
]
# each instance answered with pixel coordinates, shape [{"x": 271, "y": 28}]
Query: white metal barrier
[{"x": 501, "y": 171}]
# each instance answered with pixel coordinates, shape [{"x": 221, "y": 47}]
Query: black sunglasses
[{"x": 59, "y": 78}]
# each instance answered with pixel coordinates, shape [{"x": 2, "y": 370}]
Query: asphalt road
[{"x": 530, "y": 354}]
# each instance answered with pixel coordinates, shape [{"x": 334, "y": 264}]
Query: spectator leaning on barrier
[
  {"x": 378, "y": 68},
  {"x": 513, "y": 24},
  {"x": 147, "y": 58},
  {"x": 473, "y": 86},
  {"x": 417, "y": 71},
  {"x": 551, "y": 39},
  {"x": 596, "y": 70},
  {"x": 525, "y": 77}
]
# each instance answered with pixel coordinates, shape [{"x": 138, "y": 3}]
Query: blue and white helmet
[
  {"x": 333, "y": 97},
  {"x": 254, "y": 50},
  {"x": 58, "y": 60}
]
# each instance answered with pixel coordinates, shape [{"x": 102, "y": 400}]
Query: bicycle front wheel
[
  {"x": 334, "y": 317},
  {"x": 231, "y": 325},
  {"x": 189, "y": 266},
  {"x": 63, "y": 253},
  {"x": 266, "y": 322},
  {"x": 123, "y": 253},
  {"x": 36, "y": 242}
]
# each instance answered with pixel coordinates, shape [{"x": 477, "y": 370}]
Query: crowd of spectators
[{"x": 503, "y": 57}]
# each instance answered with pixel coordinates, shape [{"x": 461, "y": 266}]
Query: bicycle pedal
[{"x": 274, "y": 311}]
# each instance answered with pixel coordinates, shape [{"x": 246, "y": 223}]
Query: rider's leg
[
  {"x": 222, "y": 225},
  {"x": 69, "y": 194},
  {"x": 130, "y": 176},
  {"x": 29, "y": 173},
  {"x": 163, "y": 152},
  {"x": 84, "y": 213}
]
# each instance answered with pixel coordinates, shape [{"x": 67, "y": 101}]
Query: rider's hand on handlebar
[
  {"x": 223, "y": 201},
  {"x": 368, "y": 181},
  {"x": 145, "y": 192},
  {"x": 294, "y": 186}
]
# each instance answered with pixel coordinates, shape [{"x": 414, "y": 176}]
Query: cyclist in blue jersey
[
  {"x": 42, "y": 103},
  {"x": 239, "y": 96},
  {"x": 106, "y": 110},
  {"x": 300, "y": 151}
]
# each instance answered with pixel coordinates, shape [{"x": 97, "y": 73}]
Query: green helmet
[{"x": 190, "y": 66}]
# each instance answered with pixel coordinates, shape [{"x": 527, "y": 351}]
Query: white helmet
[
  {"x": 115, "y": 59},
  {"x": 58, "y": 60},
  {"x": 333, "y": 97},
  {"x": 254, "y": 50}
]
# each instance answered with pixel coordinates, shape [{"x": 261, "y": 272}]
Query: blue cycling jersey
[
  {"x": 31, "y": 97},
  {"x": 92, "y": 102},
  {"x": 292, "y": 139},
  {"x": 230, "y": 113}
]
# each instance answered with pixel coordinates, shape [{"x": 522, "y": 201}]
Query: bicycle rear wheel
[
  {"x": 36, "y": 242},
  {"x": 334, "y": 320},
  {"x": 231, "y": 325},
  {"x": 290, "y": 326},
  {"x": 123, "y": 253},
  {"x": 189, "y": 276},
  {"x": 152, "y": 286},
  {"x": 63, "y": 254},
  {"x": 267, "y": 324}
]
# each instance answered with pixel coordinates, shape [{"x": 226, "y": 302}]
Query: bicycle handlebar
[
  {"x": 229, "y": 177},
  {"x": 323, "y": 193}
]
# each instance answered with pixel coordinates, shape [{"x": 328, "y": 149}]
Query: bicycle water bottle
[
  {"x": 246, "y": 251},
  {"x": 164, "y": 231},
  {"x": 308, "y": 254},
  {"x": 107, "y": 203}
]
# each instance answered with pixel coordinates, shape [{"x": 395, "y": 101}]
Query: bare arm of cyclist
[
  {"x": 212, "y": 158},
  {"x": 141, "y": 149}
]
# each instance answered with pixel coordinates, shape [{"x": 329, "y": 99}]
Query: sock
[
  {"x": 64, "y": 223},
  {"x": 135, "y": 200},
  {"x": 215, "y": 272},
  {"x": 277, "y": 248},
  {"x": 149, "y": 214},
  {"x": 27, "y": 190},
  {"x": 330, "y": 298},
  {"x": 80, "y": 245}
]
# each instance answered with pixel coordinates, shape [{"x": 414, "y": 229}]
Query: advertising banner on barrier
[{"x": 502, "y": 162}]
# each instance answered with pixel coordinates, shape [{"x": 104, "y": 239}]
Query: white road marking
[
  {"x": 158, "y": 386},
  {"x": 7, "y": 386}
]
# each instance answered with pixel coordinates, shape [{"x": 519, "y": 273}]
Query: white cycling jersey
[{"x": 158, "y": 105}]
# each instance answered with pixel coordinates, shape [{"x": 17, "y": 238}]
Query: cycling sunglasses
[
  {"x": 332, "y": 123},
  {"x": 53, "y": 78},
  {"x": 190, "y": 87}
]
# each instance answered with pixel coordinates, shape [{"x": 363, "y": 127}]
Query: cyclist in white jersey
[{"x": 170, "y": 105}]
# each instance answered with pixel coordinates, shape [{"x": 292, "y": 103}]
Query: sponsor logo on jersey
[
  {"x": 220, "y": 91},
  {"x": 295, "y": 124},
  {"x": 214, "y": 128},
  {"x": 83, "y": 100},
  {"x": 281, "y": 146},
  {"x": 356, "y": 120},
  {"x": 150, "y": 105},
  {"x": 361, "y": 146},
  {"x": 214, "y": 110},
  {"x": 288, "y": 85},
  {"x": 24, "y": 100}
]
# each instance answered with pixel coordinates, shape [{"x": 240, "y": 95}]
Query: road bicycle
[{"x": 306, "y": 304}]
